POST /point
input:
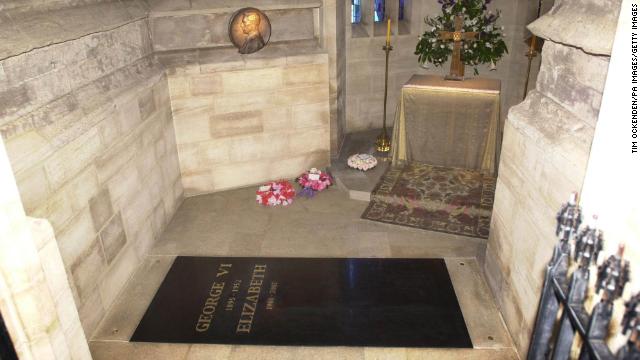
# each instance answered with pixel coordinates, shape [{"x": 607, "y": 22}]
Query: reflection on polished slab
[{"x": 306, "y": 301}]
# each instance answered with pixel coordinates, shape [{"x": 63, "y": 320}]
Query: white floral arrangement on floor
[{"x": 362, "y": 162}]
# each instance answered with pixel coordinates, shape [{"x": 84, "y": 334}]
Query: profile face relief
[{"x": 251, "y": 26}]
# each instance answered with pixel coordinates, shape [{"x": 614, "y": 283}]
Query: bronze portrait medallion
[{"x": 249, "y": 30}]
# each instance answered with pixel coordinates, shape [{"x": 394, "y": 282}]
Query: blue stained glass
[
  {"x": 401, "y": 10},
  {"x": 378, "y": 11},
  {"x": 356, "y": 13}
]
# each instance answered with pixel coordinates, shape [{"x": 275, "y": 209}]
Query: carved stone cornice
[
  {"x": 586, "y": 24},
  {"x": 22, "y": 30}
]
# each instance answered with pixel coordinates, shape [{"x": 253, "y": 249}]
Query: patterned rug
[{"x": 456, "y": 201}]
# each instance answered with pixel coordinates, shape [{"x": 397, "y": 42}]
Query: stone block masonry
[
  {"x": 36, "y": 297},
  {"x": 92, "y": 144},
  {"x": 246, "y": 120},
  {"x": 203, "y": 24},
  {"x": 546, "y": 147}
]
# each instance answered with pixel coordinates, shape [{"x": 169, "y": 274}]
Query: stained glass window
[
  {"x": 356, "y": 11},
  {"x": 378, "y": 11},
  {"x": 401, "y": 10}
]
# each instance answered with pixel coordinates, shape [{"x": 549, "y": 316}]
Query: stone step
[
  {"x": 182, "y": 7},
  {"x": 359, "y": 184}
]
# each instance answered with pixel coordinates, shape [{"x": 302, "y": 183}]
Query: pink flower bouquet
[{"x": 314, "y": 181}]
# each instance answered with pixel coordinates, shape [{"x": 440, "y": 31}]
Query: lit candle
[{"x": 388, "y": 32}]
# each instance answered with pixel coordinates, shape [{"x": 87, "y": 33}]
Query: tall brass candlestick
[
  {"x": 533, "y": 47},
  {"x": 383, "y": 143},
  {"x": 530, "y": 54}
]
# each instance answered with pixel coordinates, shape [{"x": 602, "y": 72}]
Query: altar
[{"x": 448, "y": 123}]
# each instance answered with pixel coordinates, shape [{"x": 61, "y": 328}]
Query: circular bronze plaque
[{"x": 249, "y": 30}]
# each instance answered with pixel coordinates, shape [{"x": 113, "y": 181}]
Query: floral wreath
[
  {"x": 314, "y": 181},
  {"x": 276, "y": 193},
  {"x": 488, "y": 48},
  {"x": 362, "y": 162}
]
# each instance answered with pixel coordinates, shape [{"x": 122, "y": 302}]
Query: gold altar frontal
[{"x": 448, "y": 123}]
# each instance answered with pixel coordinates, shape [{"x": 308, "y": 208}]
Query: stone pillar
[
  {"x": 341, "y": 79},
  {"x": 545, "y": 150},
  {"x": 37, "y": 305},
  {"x": 333, "y": 38}
]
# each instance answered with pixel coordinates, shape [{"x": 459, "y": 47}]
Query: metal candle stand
[
  {"x": 383, "y": 143},
  {"x": 554, "y": 341},
  {"x": 532, "y": 52}
]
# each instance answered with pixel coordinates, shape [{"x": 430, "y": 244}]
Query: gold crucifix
[{"x": 457, "y": 36}]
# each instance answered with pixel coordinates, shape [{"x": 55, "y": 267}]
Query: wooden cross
[{"x": 457, "y": 36}]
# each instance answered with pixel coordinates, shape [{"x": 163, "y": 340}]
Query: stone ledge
[
  {"x": 228, "y": 58},
  {"x": 23, "y": 31},
  {"x": 185, "y": 7},
  {"x": 569, "y": 21},
  {"x": 359, "y": 184},
  {"x": 209, "y": 28},
  {"x": 551, "y": 127},
  {"x": 547, "y": 121},
  {"x": 573, "y": 79}
]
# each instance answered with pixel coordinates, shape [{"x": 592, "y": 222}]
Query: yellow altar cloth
[{"x": 448, "y": 123}]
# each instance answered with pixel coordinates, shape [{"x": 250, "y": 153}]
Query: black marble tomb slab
[{"x": 306, "y": 301}]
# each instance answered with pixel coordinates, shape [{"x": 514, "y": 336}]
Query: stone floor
[{"x": 329, "y": 225}]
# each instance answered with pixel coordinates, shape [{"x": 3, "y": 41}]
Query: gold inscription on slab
[
  {"x": 271, "y": 300},
  {"x": 251, "y": 300},
  {"x": 231, "y": 301},
  {"x": 223, "y": 270},
  {"x": 211, "y": 303}
]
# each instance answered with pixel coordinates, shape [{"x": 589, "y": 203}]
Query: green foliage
[{"x": 489, "y": 47}]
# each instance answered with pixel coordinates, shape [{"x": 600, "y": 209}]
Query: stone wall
[
  {"x": 88, "y": 128},
  {"x": 243, "y": 120},
  {"x": 184, "y": 25},
  {"x": 546, "y": 146},
  {"x": 365, "y": 60},
  {"x": 35, "y": 297},
  {"x": 30, "y": 5},
  {"x": 32, "y": 24}
]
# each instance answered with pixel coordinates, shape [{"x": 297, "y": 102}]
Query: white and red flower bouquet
[
  {"x": 276, "y": 193},
  {"x": 314, "y": 181}
]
